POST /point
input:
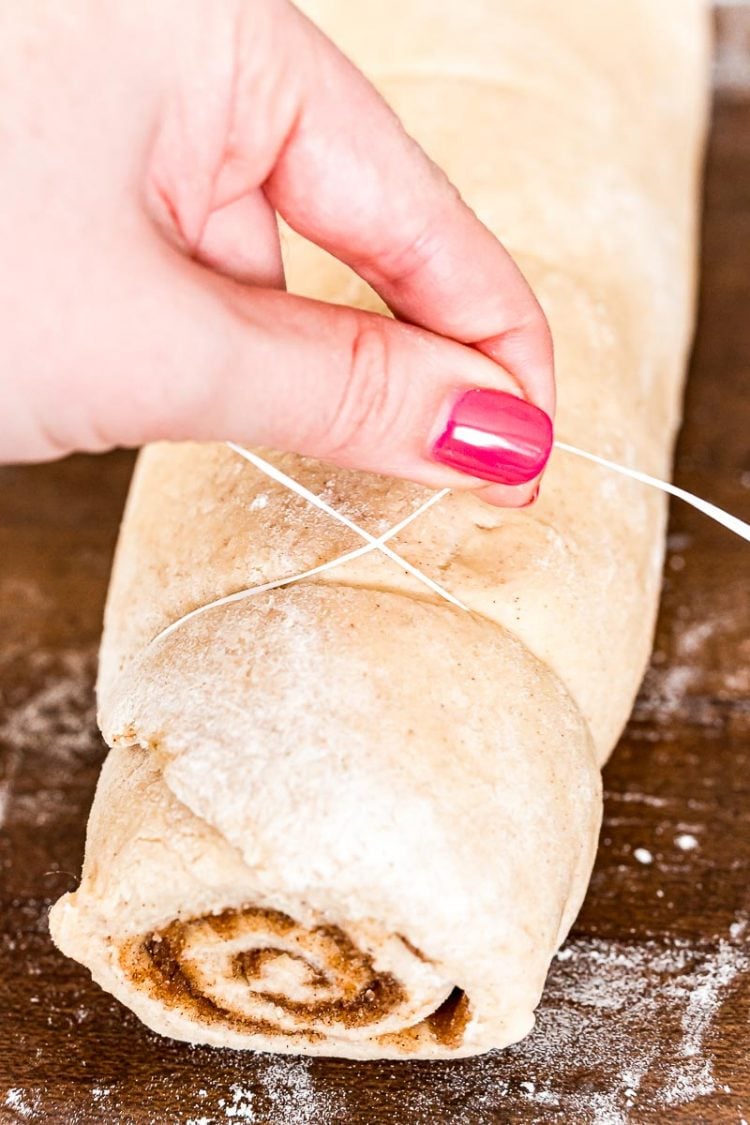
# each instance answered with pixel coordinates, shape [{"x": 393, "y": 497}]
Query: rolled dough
[{"x": 346, "y": 818}]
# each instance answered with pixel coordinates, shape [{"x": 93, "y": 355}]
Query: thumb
[{"x": 351, "y": 387}]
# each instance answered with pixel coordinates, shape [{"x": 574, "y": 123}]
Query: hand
[{"x": 146, "y": 148}]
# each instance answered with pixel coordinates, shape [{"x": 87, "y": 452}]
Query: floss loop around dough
[{"x": 379, "y": 543}]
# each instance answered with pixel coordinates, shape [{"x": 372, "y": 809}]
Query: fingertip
[
  {"x": 496, "y": 436},
  {"x": 505, "y": 496}
]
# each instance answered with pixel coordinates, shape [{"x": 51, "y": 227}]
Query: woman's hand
[{"x": 145, "y": 150}]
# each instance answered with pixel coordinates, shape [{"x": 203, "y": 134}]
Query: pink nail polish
[{"x": 495, "y": 436}]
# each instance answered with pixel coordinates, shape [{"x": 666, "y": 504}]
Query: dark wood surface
[{"x": 645, "y": 1017}]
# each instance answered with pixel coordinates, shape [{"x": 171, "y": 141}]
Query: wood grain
[{"x": 645, "y": 1017}]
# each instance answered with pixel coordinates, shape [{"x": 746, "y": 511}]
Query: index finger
[{"x": 347, "y": 176}]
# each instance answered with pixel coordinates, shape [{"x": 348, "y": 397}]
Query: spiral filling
[{"x": 261, "y": 972}]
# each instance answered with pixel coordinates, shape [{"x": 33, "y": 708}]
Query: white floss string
[
  {"x": 372, "y": 543},
  {"x": 378, "y": 543},
  {"x": 726, "y": 519}
]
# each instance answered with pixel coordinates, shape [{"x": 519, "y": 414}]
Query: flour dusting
[
  {"x": 669, "y": 681},
  {"x": 53, "y": 725},
  {"x": 58, "y": 714},
  {"x": 239, "y": 1105},
  {"x": 614, "y": 1012},
  {"x": 293, "y": 1095},
  {"x": 24, "y": 1103},
  {"x": 283, "y": 1091}
]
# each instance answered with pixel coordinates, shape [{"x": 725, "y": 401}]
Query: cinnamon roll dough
[{"x": 344, "y": 817}]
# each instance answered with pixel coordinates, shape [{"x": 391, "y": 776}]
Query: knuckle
[
  {"x": 413, "y": 245},
  {"x": 361, "y": 411},
  {"x": 411, "y": 253}
]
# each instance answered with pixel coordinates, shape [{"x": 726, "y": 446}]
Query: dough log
[{"x": 344, "y": 817}]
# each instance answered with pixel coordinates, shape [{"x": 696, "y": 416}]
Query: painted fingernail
[{"x": 495, "y": 436}]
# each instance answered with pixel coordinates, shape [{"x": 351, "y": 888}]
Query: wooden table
[{"x": 645, "y": 1017}]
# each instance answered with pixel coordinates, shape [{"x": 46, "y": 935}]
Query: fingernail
[
  {"x": 533, "y": 498},
  {"x": 495, "y": 436}
]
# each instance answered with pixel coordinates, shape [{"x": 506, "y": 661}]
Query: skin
[{"x": 146, "y": 148}]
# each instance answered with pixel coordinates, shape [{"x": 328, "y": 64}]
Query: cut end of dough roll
[
  {"x": 287, "y": 889},
  {"x": 254, "y": 977}
]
